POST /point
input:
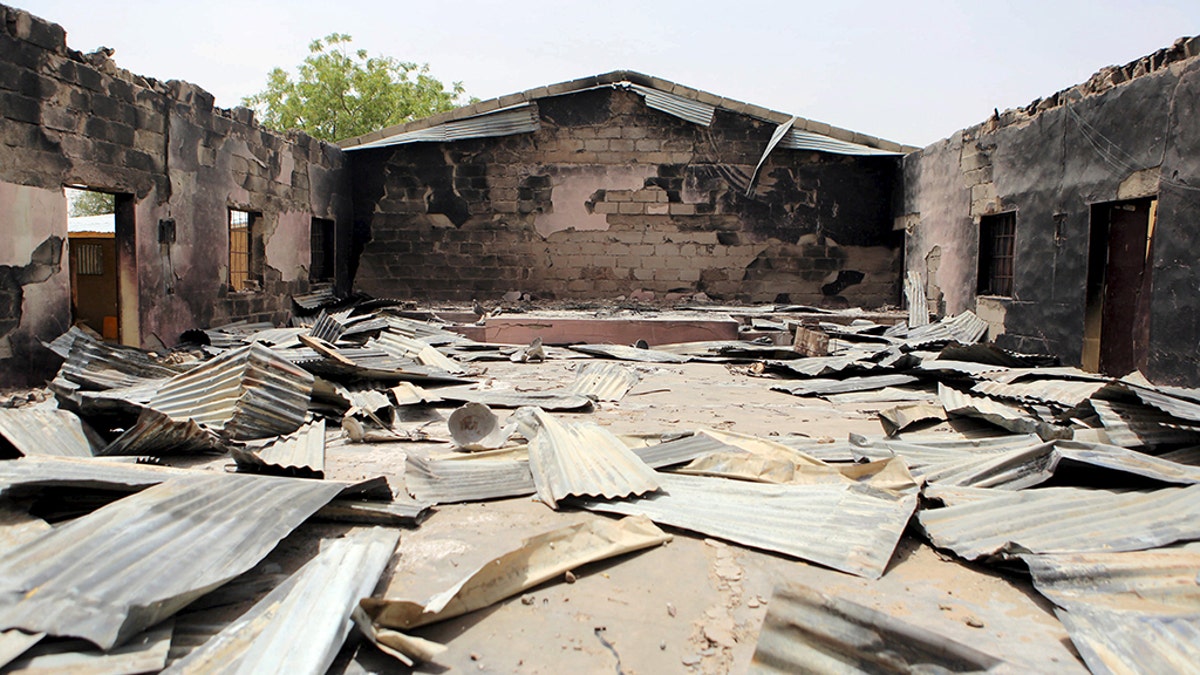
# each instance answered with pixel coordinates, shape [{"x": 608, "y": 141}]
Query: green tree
[
  {"x": 89, "y": 203},
  {"x": 340, "y": 93}
]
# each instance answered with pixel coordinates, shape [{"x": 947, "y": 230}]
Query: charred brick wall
[
  {"x": 77, "y": 119},
  {"x": 610, "y": 197},
  {"x": 1129, "y": 132}
]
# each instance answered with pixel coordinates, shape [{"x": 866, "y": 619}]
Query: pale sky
[{"x": 911, "y": 72}]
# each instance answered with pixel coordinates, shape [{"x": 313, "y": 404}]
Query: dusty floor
[{"x": 695, "y": 604}]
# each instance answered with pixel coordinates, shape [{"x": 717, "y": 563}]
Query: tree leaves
[{"x": 338, "y": 93}]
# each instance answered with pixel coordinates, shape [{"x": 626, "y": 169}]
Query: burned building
[
  {"x": 1067, "y": 225},
  {"x": 216, "y": 217},
  {"x": 1071, "y": 224},
  {"x": 622, "y": 182}
]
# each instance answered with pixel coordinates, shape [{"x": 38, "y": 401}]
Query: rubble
[{"x": 988, "y": 455}]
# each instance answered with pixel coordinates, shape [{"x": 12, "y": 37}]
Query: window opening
[{"x": 997, "y": 236}]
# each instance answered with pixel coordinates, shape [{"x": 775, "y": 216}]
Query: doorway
[
  {"x": 100, "y": 233},
  {"x": 1116, "y": 339}
]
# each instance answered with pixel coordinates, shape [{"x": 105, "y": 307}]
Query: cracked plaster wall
[
  {"x": 1129, "y": 132},
  {"x": 611, "y": 197},
  {"x": 68, "y": 118}
]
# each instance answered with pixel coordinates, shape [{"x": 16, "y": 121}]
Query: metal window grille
[
  {"x": 89, "y": 259},
  {"x": 239, "y": 249},
  {"x": 997, "y": 236}
]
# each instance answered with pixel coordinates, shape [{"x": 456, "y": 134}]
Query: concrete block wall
[
  {"x": 68, "y": 118},
  {"x": 609, "y": 197},
  {"x": 1128, "y": 132}
]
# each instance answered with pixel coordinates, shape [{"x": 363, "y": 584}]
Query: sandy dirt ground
[{"x": 694, "y": 605}]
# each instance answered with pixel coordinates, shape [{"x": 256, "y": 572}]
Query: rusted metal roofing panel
[
  {"x": 821, "y": 387},
  {"x": 1009, "y": 465},
  {"x": 518, "y": 119},
  {"x": 321, "y": 295},
  {"x": 108, "y": 575},
  {"x": 34, "y": 431},
  {"x": 1062, "y": 520},
  {"x": 155, "y": 434},
  {"x": 145, "y": 653},
  {"x": 1175, "y": 406},
  {"x": 300, "y": 626},
  {"x": 1132, "y": 426},
  {"x": 1121, "y": 642},
  {"x": 1067, "y": 393},
  {"x": 684, "y": 108},
  {"x": 247, "y": 393},
  {"x": 98, "y": 365},
  {"x": 467, "y": 480},
  {"x": 1157, "y": 580},
  {"x": 818, "y": 366},
  {"x": 510, "y": 398},
  {"x": 682, "y": 450},
  {"x": 626, "y": 353},
  {"x": 603, "y": 381},
  {"x": 411, "y": 348},
  {"x": 1125, "y": 612},
  {"x": 1129, "y": 461},
  {"x": 1002, "y": 415},
  {"x": 799, "y": 139},
  {"x": 583, "y": 459},
  {"x": 300, "y": 454},
  {"x": 852, "y": 528},
  {"x": 402, "y": 510},
  {"x": 810, "y": 632}
]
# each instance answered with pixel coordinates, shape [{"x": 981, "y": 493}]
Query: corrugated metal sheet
[
  {"x": 1177, "y": 407},
  {"x": 330, "y": 326},
  {"x": 300, "y": 626},
  {"x": 467, "y": 480},
  {"x": 625, "y": 353},
  {"x": 810, "y": 632},
  {"x": 682, "y": 450},
  {"x": 35, "y": 431},
  {"x": 1008, "y": 464},
  {"x": 1120, "y": 642},
  {"x": 1067, "y": 393},
  {"x": 852, "y": 528},
  {"x": 510, "y": 398},
  {"x": 17, "y": 527},
  {"x": 603, "y": 381},
  {"x": 918, "y": 303},
  {"x": 1001, "y": 414},
  {"x": 321, "y": 295},
  {"x": 820, "y": 366},
  {"x": 411, "y": 348},
  {"x": 1127, "y": 612},
  {"x": 156, "y": 434},
  {"x": 799, "y": 139},
  {"x": 300, "y": 454},
  {"x": 247, "y": 393},
  {"x": 108, "y": 575},
  {"x": 1157, "y": 580},
  {"x": 672, "y": 104},
  {"x": 1129, "y": 461},
  {"x": 13, "y": 643},
  {"x": 1132, "y": 426},
  {"x": 583, "y": 459},
  {"x": 821, "y": 387},
  {"x": 1063, "y": 520},
  {"x": 400, "y": 511},
  {"x": 518, "y": 119},
  {"x": 27, "y": 474},
  {"x": 965, "y": 328},
  {"x": 422, "y": 330},
  {"x": 98, "y": 365},
  {"x": 145, "y": 653},
  {"x": 965, "y": 367}
]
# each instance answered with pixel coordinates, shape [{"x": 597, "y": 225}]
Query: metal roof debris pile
[{"x": 991, "y": 456}]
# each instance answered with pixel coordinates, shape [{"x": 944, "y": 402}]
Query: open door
[
  {"x": 1120, "y": 258},
  {"x": 100, "y": 231}
]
